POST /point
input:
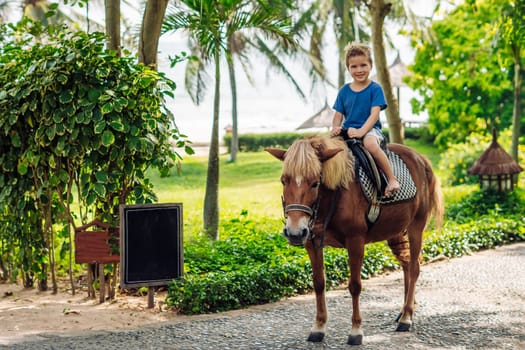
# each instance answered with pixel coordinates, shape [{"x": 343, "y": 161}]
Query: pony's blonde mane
[{"x": 302, "y": 160}]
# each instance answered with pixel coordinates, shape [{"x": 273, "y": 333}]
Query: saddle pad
[{"x": 407, "y": 191}]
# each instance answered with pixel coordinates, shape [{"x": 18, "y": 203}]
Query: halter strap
[{"x": 299, "y": 207}]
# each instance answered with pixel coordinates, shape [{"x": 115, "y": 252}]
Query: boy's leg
[{"x": 371, "y": 143}]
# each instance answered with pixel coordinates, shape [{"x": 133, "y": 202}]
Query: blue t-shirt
[{"x": 356, "y": 106}]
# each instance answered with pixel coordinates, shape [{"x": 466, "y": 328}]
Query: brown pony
[{"x": 323, "y": 205}]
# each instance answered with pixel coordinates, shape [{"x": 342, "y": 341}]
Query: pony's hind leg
[
  {"x": 400, "y": 247},
  {"x": 411, "y": 273},
  {"x": 318, "y": 329}
]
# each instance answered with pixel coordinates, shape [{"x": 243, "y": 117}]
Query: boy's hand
[
  {"x": 336, "y": 130},
  {"x": 354, "y": 133}
]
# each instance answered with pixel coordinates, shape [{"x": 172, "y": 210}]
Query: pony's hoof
[
  {"x": 355, "y": 339},
  {"x": 403, "y": 327},
  {"x": 316, "y": 337}
]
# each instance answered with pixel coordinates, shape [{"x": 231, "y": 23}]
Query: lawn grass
[
  {"x": 250, "y": 185},
  {"x": 427, "y": 149}
]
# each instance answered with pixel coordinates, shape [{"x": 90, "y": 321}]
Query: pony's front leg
[
  {"x": 316, "y": 258},
  {"x": 356, "y": 252}
]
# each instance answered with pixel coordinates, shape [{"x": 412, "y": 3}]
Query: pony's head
[{"x": 308, "y": 164}]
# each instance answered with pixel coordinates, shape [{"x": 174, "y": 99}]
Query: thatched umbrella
[
  {"x": 321, "y": 119},
  {"x": 397, "y": 71},
  {"x": 495, "y": 168}
]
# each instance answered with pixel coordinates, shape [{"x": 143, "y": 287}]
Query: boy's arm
[
  {"x": 336, "y": 124},
  {"x": 368, "y": 125}
]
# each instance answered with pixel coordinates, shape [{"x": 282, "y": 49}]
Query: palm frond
[
  {"x": 195, "y": 78},
  {"x": 275, "y": 61}
]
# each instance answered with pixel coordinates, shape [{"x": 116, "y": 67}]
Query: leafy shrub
[
  {"x": 479, "y": 203},
  {"x": 456, "y": 160},
  {"x": 253, "y": 266},
  {"x": 258, "y": 142},
  {"x": 78, "y": 123},
  {"x": 420, "y": 133},
  {"x": 486, "y": 232},
  {"x": 459, "y": 157}
]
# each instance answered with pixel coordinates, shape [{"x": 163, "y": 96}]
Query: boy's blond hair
[{"x": 357, "y": 49}]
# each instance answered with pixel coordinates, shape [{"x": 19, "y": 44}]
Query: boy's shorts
[{"x": 377, "y": 134}]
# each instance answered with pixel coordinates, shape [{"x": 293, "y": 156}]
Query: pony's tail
[{"x": 438, "y": 203}]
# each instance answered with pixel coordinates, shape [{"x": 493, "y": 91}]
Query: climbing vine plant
[{"x": 78, "y": 124}]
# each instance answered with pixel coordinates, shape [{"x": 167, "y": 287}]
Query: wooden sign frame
[{"x": 151, "y": 244}]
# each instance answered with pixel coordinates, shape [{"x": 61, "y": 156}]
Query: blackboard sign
[{"x": 151, "y": 252}]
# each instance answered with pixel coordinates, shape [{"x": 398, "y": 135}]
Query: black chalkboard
[{"x": 151, "y": 252}]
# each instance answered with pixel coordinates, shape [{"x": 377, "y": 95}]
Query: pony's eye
[{"x": 315, "y": 184}]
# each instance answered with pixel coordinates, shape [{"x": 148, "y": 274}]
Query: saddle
[{"x": 373, "y": 181}]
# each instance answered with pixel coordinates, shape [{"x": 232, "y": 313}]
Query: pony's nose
[
  {"x": 304, "y": 233},
  {"x": 296, "y": 237}
]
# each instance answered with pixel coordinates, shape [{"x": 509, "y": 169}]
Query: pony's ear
[
  {"x": 277, "y": 153},
  {"x": 326, "y": 154}
]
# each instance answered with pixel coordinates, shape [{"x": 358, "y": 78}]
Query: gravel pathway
[{"x": 474, "y": 302}]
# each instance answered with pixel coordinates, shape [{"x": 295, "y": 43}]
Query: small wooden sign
[{"x": 96, "y": 246}]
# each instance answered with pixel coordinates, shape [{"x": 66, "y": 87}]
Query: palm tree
[
  {"x": 320, "y": 15},
  {"x": 240, "y": 45},
  {"x": 379, "y": 9},
  {"x": 212, "y": 25},
  {"x": 397, "y": 10},
  {"x": 150, "y": 31},
  {"x": 241, "y": 39}
]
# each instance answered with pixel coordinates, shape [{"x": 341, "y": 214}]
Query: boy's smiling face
[{"x": 359, "y": 68}]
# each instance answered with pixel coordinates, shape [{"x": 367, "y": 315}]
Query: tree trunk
[
  {"x": 234, "y": 146},
  {"x": 343, "y": 35},
  {"x": 517, "y": 103},
  {"x": 378, "y": 11},
  {"x": 113, "y": 24},
  {"x": 211, "y": 198},
  {"x": 150, "y": 31}
]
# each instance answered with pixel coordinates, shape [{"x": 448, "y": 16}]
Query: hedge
[
  {"x": 257, "y": 142},
  {"x": 286, "y": 270}
]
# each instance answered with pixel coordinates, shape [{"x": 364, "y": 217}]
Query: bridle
[{"x": 310, "y": 211}]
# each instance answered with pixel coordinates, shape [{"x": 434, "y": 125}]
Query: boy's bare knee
[{"x": 371, "y": 144}]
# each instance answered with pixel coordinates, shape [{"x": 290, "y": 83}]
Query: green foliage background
[
  {"x": 79, "y": 129},
  {"x": 463, "y": 74}
]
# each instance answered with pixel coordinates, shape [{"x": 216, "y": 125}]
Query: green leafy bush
[
  {"x": 485, "y": 232},
  {"x": 459, "y": 157},
  {"x": 258, "y": 142},
  {"x": 253, "y": 265},
  {"x": 479, "y": 203},
  {"x": 78, "y": 124},
  {"x": 420, "y": 133}
]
